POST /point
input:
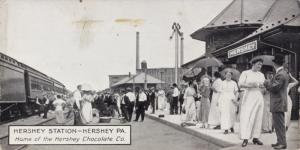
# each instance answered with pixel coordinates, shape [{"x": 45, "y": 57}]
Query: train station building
[{"x": 248, "y": 28}]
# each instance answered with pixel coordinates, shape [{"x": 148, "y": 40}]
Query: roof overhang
[{"x": 203, "y": 33}]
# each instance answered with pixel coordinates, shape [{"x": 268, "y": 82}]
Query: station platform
[
  {"x": 32, "y": 120},
  {"x": 229, "y": 141}
]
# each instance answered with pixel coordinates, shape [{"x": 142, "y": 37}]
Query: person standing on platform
[
  {"x": 252, "y": 104},
  {"x": 205, "y": 102},
  {"x": 287, "y": 114},
  {"x": 124, "y": 105},
  {"x": 161, "y": 99},
  {"x": 59, "y": 112},
  {"x": 214, "y": 112},
  {"x": 131, "y": 98},
  {"x": 86, "y": 104},
  {"x": 278, "y": 97},
  {"x": 174, "y": 103},
  {"x": 169, "y": 99},
  {"x": 226, "y": 102},
  {"x": 189, "y": 103},
  {"x": 181, "y": 99},
  {"x": 152, "y": 99},
  {"x": 77, "y": 106},
  {"x": 140, "y": 107},
  {"x": 267, "y": 115},
  {"x": 197, "y": 101},
  {"x": 44, "y": 105}
]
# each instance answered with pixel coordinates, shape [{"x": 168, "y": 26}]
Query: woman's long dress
[
  {"x": 59, "y": 114},
  {"x": 189, "y": 105},
  {"x": 252, "y": 105},
  {"x": 267, "y": 115},
  {"x": 86, "y": 108},
  {"x": 161, "y": 100},
  {"x": 205, "y": 104},
  {"x": 214, "y": 112},
  {"x": 226, "y": 105},
  {"x": 287, "y": 114}
]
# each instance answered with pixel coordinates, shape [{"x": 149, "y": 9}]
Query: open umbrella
[
  {"x": 236, "y": 73},
  {"x": 208, "y": 62},
  {"x": 193, "y": 73},
  {"x": 267, "y": 59}
]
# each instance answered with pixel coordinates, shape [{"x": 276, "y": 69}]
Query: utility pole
[
  {"x": 181, "y": 50},
  {"x": 176, "y": 31}
]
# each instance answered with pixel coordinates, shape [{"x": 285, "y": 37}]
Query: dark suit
[
  {"x": 278, "y": 102},
  {"x": 152, "y": 101}
]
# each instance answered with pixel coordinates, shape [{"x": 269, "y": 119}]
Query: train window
[
  {"x": 46, "y": 88},
  {"x": 36, "y": 86},
  {"x": 2, "y": 56}
]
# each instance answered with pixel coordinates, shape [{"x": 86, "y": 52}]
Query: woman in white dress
[
  {"x": 287, "y": 114},
  {"x": 161, "y": 99},
  {"x": 214, "y": 113},
  {"x": 189, "y": 103},
  {"x": 86, "y": 106},
  {"x": 59, "y": 113},
  {"x": 227, "y": 102},
  {"x": 252, "y": 104}
]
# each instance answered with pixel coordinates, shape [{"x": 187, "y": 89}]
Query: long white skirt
[
  {"x": 228, "y": 110},
  {"x": 251, "y": 116},
  {"x": 214, "y": 112},
  {"x": 198, "y": 110},
  {"x": 287, "y": 115},
  {"x": 87, "y": 112},
  {"x": 267, "y": 115},
  {"x": 161, "y": 101},
  {"x": 190, "y": 109}
]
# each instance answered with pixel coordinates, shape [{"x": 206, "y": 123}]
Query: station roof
[
  {"x": 238, "y": 13},
  {"x": 282, "y": 13},
  {"x": 138, "y": 79}
]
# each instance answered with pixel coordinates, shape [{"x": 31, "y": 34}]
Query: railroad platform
[
  {"x": 32, "y": 120},
  {"x": 230, "y": 141}
]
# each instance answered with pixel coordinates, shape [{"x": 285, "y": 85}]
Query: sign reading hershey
[{"x": 246, "y": 48}]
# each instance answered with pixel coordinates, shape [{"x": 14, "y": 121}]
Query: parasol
[
  {"x": 193, "y": 73},
  {"x": 236, "y": 73},
  {"x": 208, "y": 62}
]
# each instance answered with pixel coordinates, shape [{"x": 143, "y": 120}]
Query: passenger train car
[{"x": 20, "y": 85}]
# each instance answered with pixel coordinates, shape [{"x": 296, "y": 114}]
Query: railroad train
[{"x": 20, "y": 86}]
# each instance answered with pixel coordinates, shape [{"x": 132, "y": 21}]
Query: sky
[{"x": 85, "y": 42}]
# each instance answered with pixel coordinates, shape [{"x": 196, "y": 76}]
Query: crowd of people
[{"x": 260, "y": 102}]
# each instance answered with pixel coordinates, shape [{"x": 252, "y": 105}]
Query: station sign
[{"x": 246, "y": 48}]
